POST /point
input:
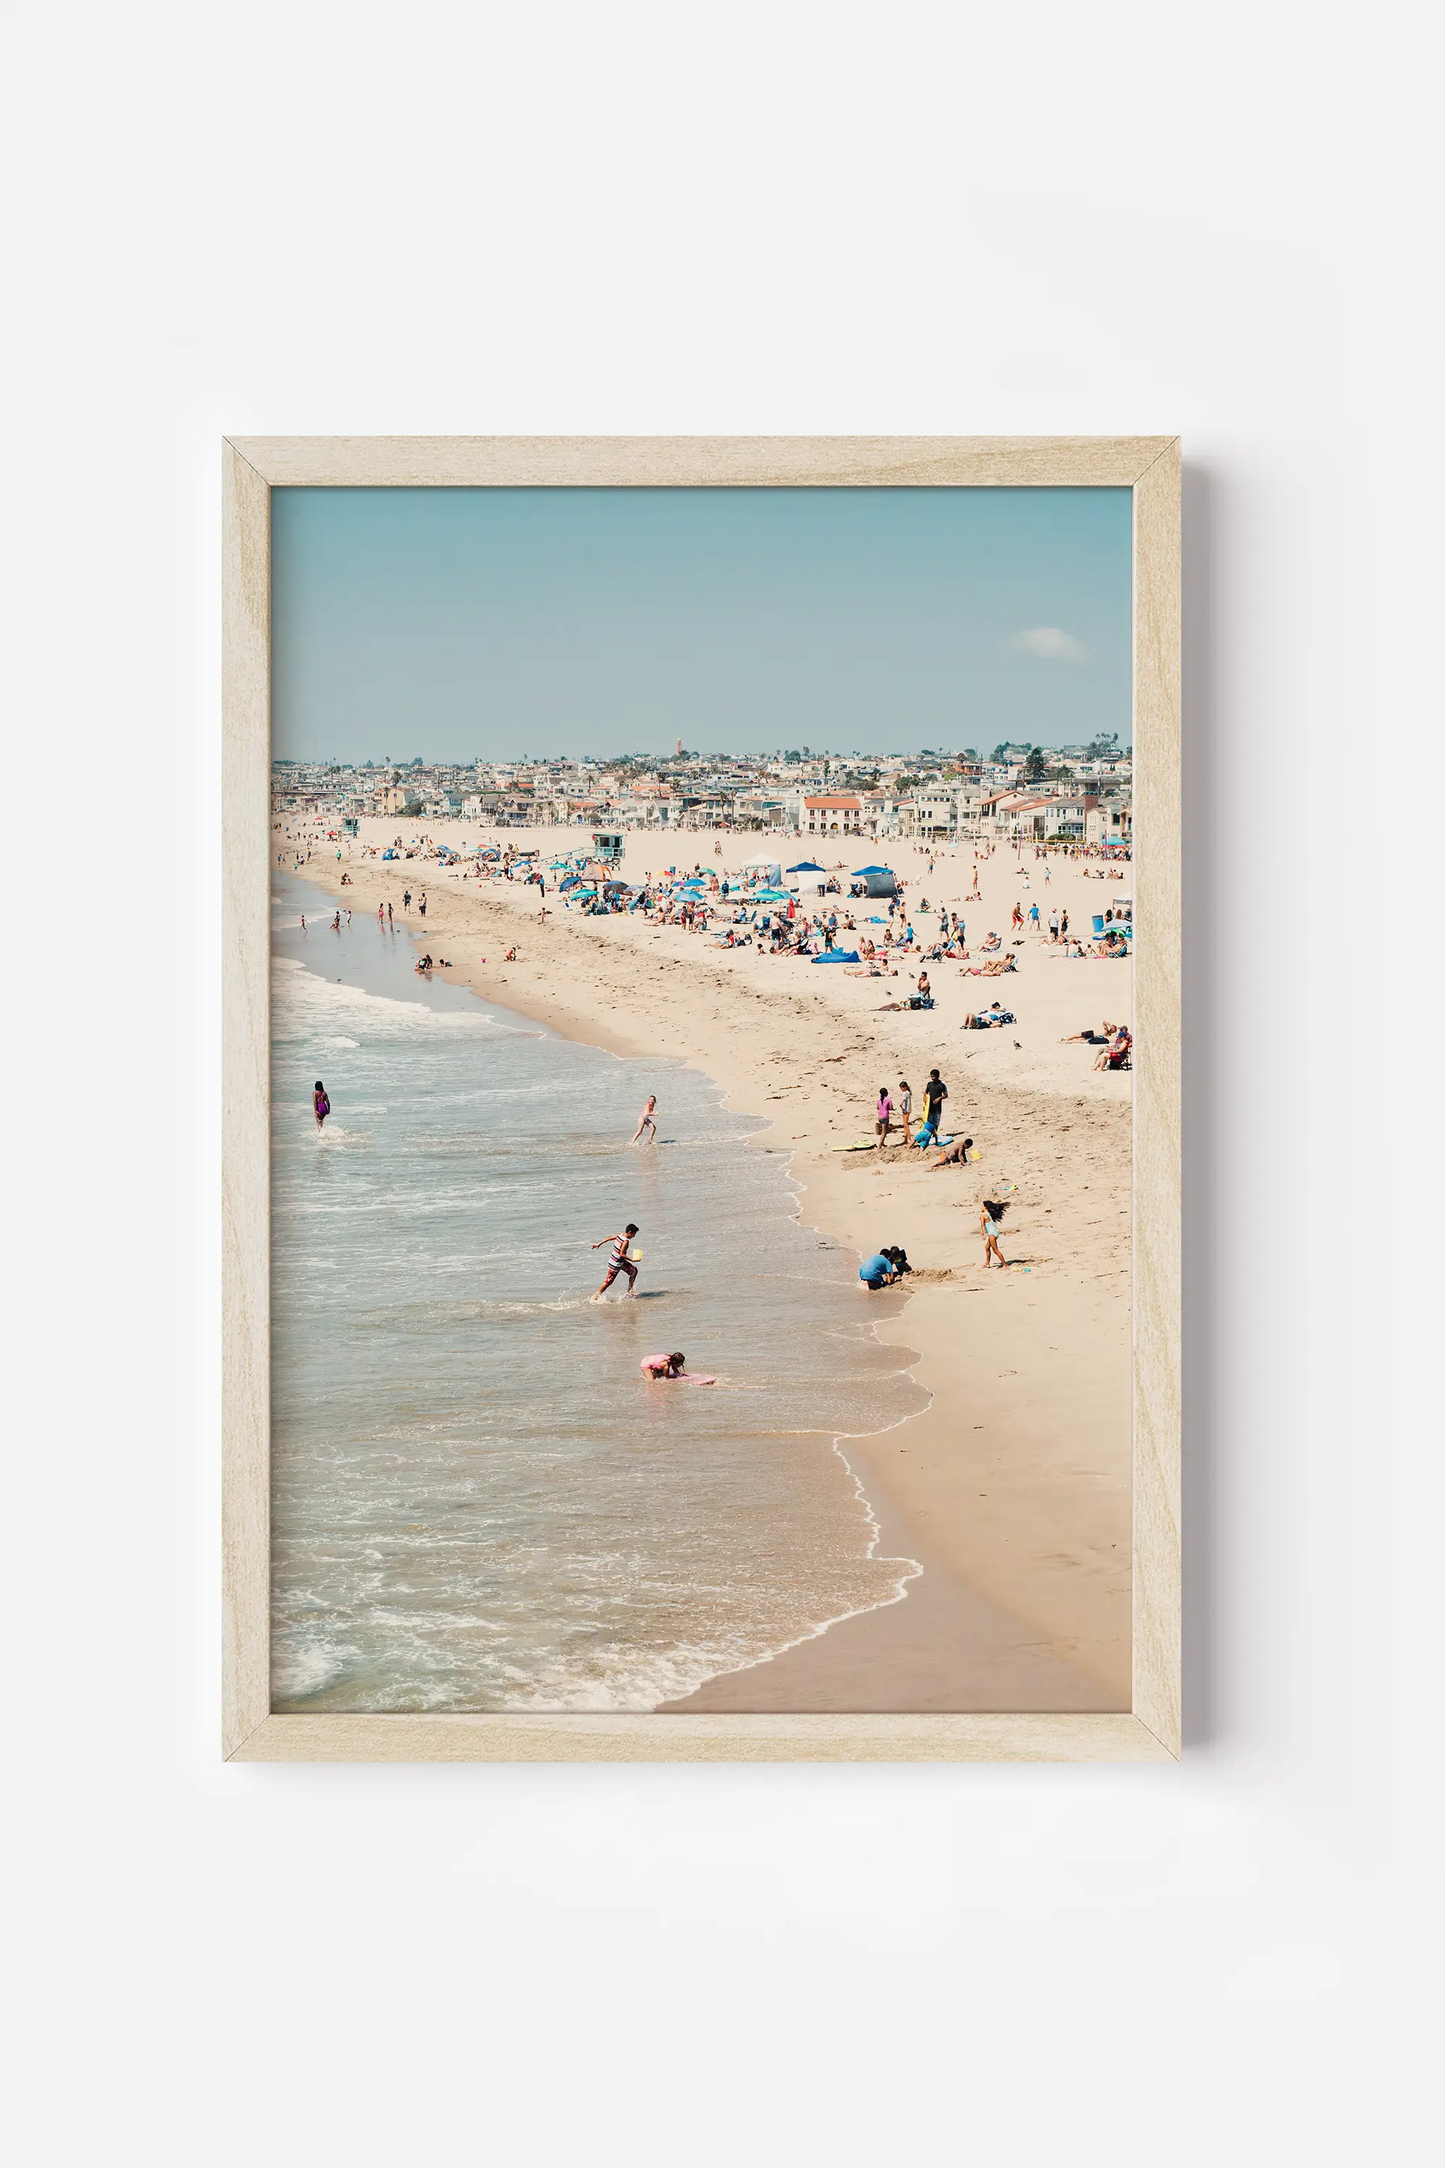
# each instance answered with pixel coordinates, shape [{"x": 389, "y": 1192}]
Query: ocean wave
[
  {"x": 302, "y": 1668},
  {"x": 305, "y": 1006}
]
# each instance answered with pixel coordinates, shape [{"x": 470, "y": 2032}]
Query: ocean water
[{"x": 478, "y": 1502}]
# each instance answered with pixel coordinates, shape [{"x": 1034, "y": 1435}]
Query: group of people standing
[{"x": 891, "y": 1113}]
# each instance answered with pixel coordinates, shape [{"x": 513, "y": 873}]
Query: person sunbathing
[
  {"x": 992, "y": 942},
  {"x": 1113, "y": 1055}
]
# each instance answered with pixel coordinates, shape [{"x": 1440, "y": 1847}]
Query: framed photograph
[{"x": 702, "y": 1157}]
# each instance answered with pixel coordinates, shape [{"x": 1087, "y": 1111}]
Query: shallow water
[{"x": 478, "y": 1502}]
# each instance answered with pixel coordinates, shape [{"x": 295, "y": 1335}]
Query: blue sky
[{"x": 502, "y": 623}]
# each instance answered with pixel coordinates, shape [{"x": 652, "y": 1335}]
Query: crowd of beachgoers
[
  {"x": 670, "y": 945},
  {"x": 864, "y": 921}
]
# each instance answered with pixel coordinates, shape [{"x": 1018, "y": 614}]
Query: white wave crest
[{"x": 305, "y": 1008}]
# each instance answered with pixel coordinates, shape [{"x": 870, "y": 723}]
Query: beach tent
[
  {"x": 877, "y": 880},
  {"x": 771, "y": 866},
  {"x": 806, "y": 867}
]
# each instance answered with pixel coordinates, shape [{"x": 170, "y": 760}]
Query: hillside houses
[{"x": 934, "y": 798}]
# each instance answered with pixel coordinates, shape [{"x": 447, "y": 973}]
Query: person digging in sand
[{"x": 955, "y": 1155}]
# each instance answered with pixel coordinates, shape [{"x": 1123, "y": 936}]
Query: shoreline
[{"x": 1018, "y": 1523}]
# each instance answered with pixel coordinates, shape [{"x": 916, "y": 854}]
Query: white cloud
[{"x": 1050, "y": 643}]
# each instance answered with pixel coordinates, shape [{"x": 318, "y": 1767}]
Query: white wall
[{"x": 778, "y": 218}]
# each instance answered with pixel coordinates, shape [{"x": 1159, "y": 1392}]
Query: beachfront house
[
  {"x": 1022, "y": 816},
  {"x": 833, "y": 813},
  {"x": 1111, "y": 820},
  {"x": 760, "y": 809},
  {"x": 931, "y": 815},
  {"x": 652, "y": 804},
  {"x": 1067, "y": 816},
  {"x": 502, "y": 808}
]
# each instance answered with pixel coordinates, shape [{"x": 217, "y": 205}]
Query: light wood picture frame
[{"x": 251, "y": 468}]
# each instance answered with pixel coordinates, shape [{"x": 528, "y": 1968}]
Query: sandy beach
[{"x": 1012, "y": 1487}]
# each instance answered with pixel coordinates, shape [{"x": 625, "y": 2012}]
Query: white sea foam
[{"x": 301, "y": 1668}]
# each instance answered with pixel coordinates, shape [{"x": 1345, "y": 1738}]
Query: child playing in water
[
  {"x": 320, "y": 1104},
  {"x": 662, "y": 1366},
  {"x": 619, "y": 1261},
  {"x": 645, "y": 1120}
]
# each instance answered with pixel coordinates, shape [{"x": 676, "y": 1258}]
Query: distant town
[{"x": 1080, "y": 794}]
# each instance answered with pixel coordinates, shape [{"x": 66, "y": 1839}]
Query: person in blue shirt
[{"x": 877, "y": 1271}]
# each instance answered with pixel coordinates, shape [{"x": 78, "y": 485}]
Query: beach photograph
[{"x": 702, "y": 1050}]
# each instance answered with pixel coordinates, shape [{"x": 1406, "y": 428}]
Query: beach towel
[{"x": 837, "y": 956}]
